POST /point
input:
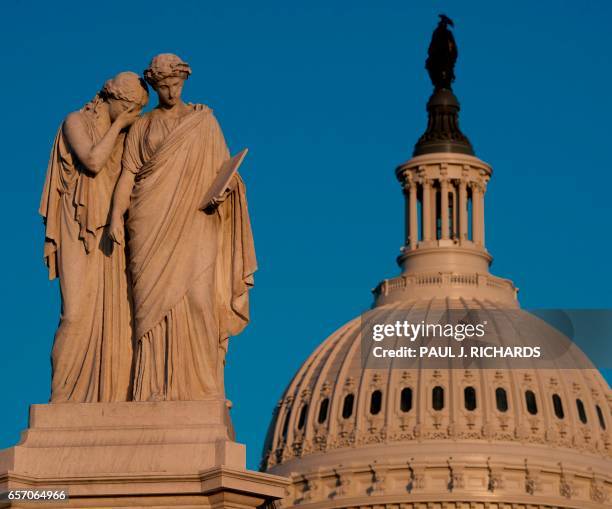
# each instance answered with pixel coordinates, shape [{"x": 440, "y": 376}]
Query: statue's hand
[
  {"x": 221, "y": 198},
  {"x": 129, "y": 116},
  {"x": 116, "y": 230},
  {"x": 228, "y": 190},
  {"x": 214, "y": 203}
]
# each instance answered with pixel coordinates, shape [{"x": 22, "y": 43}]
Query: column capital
[
  {"x": 477, "y": 185},
  {"x": 421, "y": 171},
  {"x": 408, "y": 183}
]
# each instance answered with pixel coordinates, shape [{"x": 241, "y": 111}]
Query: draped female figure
[
  {"x": 92, "y": 350},
  {"x": 191, "y": 269}
]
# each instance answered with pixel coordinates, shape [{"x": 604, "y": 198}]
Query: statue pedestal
[{"x": 109, "y": 455}]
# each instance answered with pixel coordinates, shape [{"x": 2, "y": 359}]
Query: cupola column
[
  {"x": 413, "y": 230},
  {"x": 477, "y": 215},
  {"x": 463, "y": 211},
  {"x": 407, "y": 215},
  {"x": 482, "y": 213},
  {"x": 411, "y": 225},
  {"x": 454, "y": 210},
  {"x": 426, "y": 212},
  {"x": 444, "y": 209}
]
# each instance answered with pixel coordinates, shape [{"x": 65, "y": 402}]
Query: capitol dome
[
  {"x": 351, "y": 434},
  {"x": 342, "y": 432}
]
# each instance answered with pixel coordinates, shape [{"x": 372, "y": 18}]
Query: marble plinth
[{"x": 160, "y": 454}]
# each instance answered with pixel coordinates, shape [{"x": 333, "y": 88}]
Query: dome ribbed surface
[
  {"x": 484, "y": 423},
  {"x": 334, "y": 371}
]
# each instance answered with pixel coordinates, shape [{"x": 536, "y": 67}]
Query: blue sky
[{"x": 329, "y": 97}]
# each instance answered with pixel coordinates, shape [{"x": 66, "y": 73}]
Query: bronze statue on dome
[{"x": 442, "y": 55}]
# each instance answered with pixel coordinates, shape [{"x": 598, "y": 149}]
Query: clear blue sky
[{"x": 329, "y": 97}]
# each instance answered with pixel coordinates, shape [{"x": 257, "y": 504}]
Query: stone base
[
  {"x": 217, "y": 488},
  {"x": 162, "y": 454}
]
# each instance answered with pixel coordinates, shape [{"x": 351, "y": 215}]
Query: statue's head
[
  {"x": 166, "y": 74},
  {"x": 124, "y": 91}
]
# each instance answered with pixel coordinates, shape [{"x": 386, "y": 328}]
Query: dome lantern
[{"x": 444, "y": 186}]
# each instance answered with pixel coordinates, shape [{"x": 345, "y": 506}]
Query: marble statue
[
  {"x": 191, "y": 267},
  {"x": 92, "y": 351},
  {"x": 147, "y": 228}
]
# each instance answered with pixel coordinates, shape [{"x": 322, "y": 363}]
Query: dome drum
[{"x": 462, "y": 481}]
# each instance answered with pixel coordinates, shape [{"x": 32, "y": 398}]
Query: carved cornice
[{"x": 501, "y": 483}]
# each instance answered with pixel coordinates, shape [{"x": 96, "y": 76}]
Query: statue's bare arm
[
  {"x": 121, "y": 202},
  {"x": 94, "y": 155}
]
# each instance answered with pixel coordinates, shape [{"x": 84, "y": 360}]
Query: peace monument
[{"x": 147, "y": 228}]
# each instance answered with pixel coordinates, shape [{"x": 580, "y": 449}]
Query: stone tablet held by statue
[{"x": 218, "y": 188}]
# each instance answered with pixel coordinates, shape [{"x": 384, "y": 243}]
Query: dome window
[
  {"x": 501, "y": 399},
  {"x": 286, "y": 424},
  {"x": 376, "y": 402},
  {"x": 302, "y": 417},
  {"x": 347, "y": 406},
  {"x": 581, "y": 412},
  {"x": 532, "y": 404},
  {"x": 406, "y": 399},
  {"x": 323, "y": 409},
  {"x": 437, "y": 398},
  {"x": 558, "y": 406},
  {"x": 600, "y": 415},
  {"x": 469, "y": 398}
]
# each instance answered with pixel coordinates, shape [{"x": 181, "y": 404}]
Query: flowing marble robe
[
  {"x": 92, "y": 350},
  {"x": 191, "y": 270}
]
